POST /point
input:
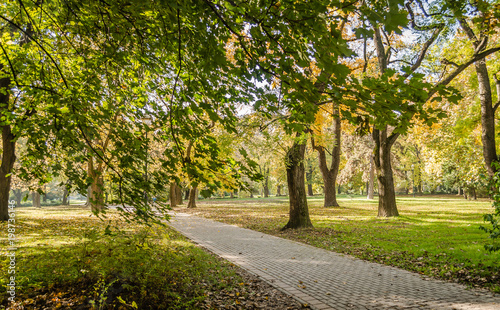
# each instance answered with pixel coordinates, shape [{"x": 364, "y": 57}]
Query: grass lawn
[
  {"x": 436, "y": 236},
  {"x": 64, "y": 261}
]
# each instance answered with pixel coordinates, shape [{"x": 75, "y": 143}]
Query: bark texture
[
  {"x": 8, "y": 151},
  {"x": 96, "y": 192},
  {"x": 175, "y": 195},
  {"x": 36, "y": 199},
  {"x": 485, "y": 97},
  {"x": 193, "y": 192},
  {"x": 382, "y": 160},
  {"x": 295, "y": 172}
]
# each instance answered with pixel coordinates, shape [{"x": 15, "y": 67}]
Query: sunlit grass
[
  {"x": 63, "y": 254},
  {"x": 437, "y": 236}
]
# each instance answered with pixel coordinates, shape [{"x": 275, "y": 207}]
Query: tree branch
[
  {"x": 425, "y": 48},
  {"x": 461, "y": 68}
]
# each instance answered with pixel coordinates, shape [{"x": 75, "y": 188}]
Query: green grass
[
  {"x": 64, "y": 260},
  {"x": 435, "y": 236}
]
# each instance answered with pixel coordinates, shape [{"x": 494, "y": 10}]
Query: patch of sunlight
[{"x": 180, "y": 243}]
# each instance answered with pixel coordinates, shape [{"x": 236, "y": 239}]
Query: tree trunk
[
  {"x": 278, "y": 190},
  {"x": 465, "y": 194},
  {"x": 44, "y": 199},
  {"x": 65, "y": 200},
  {"x": 18, "y": 193},
  {"x": 486, "y": 99},
  {"x": 266, "y": 184},
  {"x": 36, "y": 199},
  {"x": 186, "y": 194},
  {"x": 382, "y": 160},
  {"x": 192, "y": 197},
  {"x": 96, "y": 194},
  {"x": 474, "y": 194},
  {"x": 231, "y": 194},
  {"x": 330, "y": 174},
  {"x": 8, "y": 151},
  {"x": 175, "y": 195},
  {"x": 295, "y": 173},
  {"x": 371, "y": 180},
  {"x": 309, "y": 174},
  {"x": 487, "y": 117}
]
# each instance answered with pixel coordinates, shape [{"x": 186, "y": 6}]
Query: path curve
[{"x": 324, "y": 279}]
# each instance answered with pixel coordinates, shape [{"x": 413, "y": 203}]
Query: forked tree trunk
[
  {"x": 295, "y": 173},
  {"x": 371, "y": 180},
  {"x": 383, "y": 144},
  {"x": 36, "y": 199},
  {"x": 330, "y": 174},
  {"x": 192, "y": 197},
  {"x": 382, "y": 159},
  {"x": 8, "y": 151}
]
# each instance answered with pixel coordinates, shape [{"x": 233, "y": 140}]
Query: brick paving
[{"x": 324, "y": 279}]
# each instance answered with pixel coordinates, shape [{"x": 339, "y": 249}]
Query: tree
[
  {"x": 84, "y": 71},
  {"x": 295, "y": 170},
  {"x": 483, "y": 20},
  {"x": 330, "y": 173}
]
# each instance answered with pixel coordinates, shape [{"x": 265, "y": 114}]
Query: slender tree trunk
[
  {"x": 36, "y": 199},
  {"x": 371, "y": 180},
  {"x": 8, "y": 151},
  {"x": 231, "y": 194},
  {"x": 18, "y": 193},
  {"x": 382, "y": 159},
  {"x": 278, "y": 190},
  {"x": 186, "y": 194},
  {"x": 295, "y": 172},
  {"x": 192, "y": 197},
  {"x": 474, "y": 194},
  {"x": 266, "y": 184},
  {"x": 309, "y": 174}
]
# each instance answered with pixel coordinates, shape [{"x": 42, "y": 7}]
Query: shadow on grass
[{"x": 142, "y": 268}]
